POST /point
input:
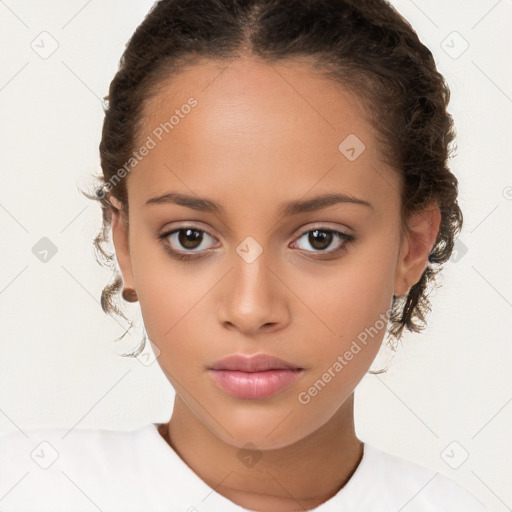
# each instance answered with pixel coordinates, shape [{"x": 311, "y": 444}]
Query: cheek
[
  {"x": 174, "y": 306},
  {"x": 165, "y": 294},
  {"x": 352, "y": 297},
  {"x": 337, "y": 366},
  {"x": 171, "y": 314},
  {"x": 338, "y": 363},
  {"x": 353, "y": 304}
]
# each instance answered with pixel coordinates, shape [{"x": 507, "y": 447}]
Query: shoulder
[
  {"x": 60, "y": 463},
  {"x": 411, "y": 487}
]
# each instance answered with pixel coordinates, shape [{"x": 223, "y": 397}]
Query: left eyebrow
[
  {"x": 287, "y": 209},
  {"x": 319, "y": 202}
]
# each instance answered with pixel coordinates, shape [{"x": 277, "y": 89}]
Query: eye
[
  {"x": 182, "y": 242},
  {"x": 188, "y": 242},
  {"x": 320, "y": 239}
]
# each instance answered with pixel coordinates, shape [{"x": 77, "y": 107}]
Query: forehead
[
  {"x": 256, "y": 127},
  {"x": 241, "y": 93}
]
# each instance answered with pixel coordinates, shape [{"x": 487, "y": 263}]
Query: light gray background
[{"x": 448, "y": 392}]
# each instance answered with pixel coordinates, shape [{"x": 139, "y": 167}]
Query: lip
[
  {"x": 255, "y": 363},
  {"x": 257, "y": 376}
]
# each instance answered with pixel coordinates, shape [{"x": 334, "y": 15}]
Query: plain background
[{"x": 444, "y": 403}]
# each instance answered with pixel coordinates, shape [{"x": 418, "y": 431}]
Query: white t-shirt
[{"x": 91, "y": 470}]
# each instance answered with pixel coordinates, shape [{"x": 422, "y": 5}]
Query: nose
[{"x": 253, "y": 298}]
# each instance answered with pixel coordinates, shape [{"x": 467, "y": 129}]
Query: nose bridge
[
  {"x": 251, "y": 283},
  {"x": 252, "y": 296}
]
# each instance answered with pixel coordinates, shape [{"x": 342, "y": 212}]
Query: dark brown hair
[{"x": 364, "y": 45}]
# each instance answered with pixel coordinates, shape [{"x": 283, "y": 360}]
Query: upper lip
[{"x": 256, "y": 363}]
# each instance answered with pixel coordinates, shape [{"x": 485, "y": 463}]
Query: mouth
[{"x": 254, "y": 377}]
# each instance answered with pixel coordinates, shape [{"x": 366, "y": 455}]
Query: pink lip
[{"x": 257, "y": 376}]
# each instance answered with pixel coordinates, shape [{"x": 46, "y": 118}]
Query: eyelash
[{"x": 184, "y": 256}]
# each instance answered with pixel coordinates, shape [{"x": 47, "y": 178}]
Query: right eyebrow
[{"x": 195, "y": 203}]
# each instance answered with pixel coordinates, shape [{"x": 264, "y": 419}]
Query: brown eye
[
  {"x": 190, "y": 238},
  {"x": 187, "y": 240},
  {"x": 322, "y": 240}
]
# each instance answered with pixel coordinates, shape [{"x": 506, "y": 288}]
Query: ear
[
  {"x": 417, "y": 242},
  {"x": 121, "y": 243}
]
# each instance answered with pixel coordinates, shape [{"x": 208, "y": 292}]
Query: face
[{"x": 310, "y": 285}]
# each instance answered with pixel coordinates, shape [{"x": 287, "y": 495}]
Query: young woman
[{"x": 275, "y": 177}]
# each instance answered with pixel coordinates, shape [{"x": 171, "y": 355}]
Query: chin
[{"x": 264, "y": 430}]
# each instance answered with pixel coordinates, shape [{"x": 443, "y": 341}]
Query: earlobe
[{"x": 417, "y": 243}]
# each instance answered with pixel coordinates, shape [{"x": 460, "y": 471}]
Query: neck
[{"x": 299, "y": 476}]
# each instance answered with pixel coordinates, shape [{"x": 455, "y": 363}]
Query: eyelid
[
  {"x": 325, "y": 227},
  {"x": 168, "y": 232},
  {"x": 343, "y": 238}
]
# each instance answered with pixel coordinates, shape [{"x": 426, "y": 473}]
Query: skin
[{"x": 262, "y": 135}]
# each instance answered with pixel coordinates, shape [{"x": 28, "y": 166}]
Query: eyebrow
[{"x": 286, "y": 209}]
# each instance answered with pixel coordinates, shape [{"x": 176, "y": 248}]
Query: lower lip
[{"x": 254, "y": 384}]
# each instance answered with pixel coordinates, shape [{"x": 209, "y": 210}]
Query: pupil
[
  {"x": 188, "y": 241},
  {"x": 324, "y": 237}
]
